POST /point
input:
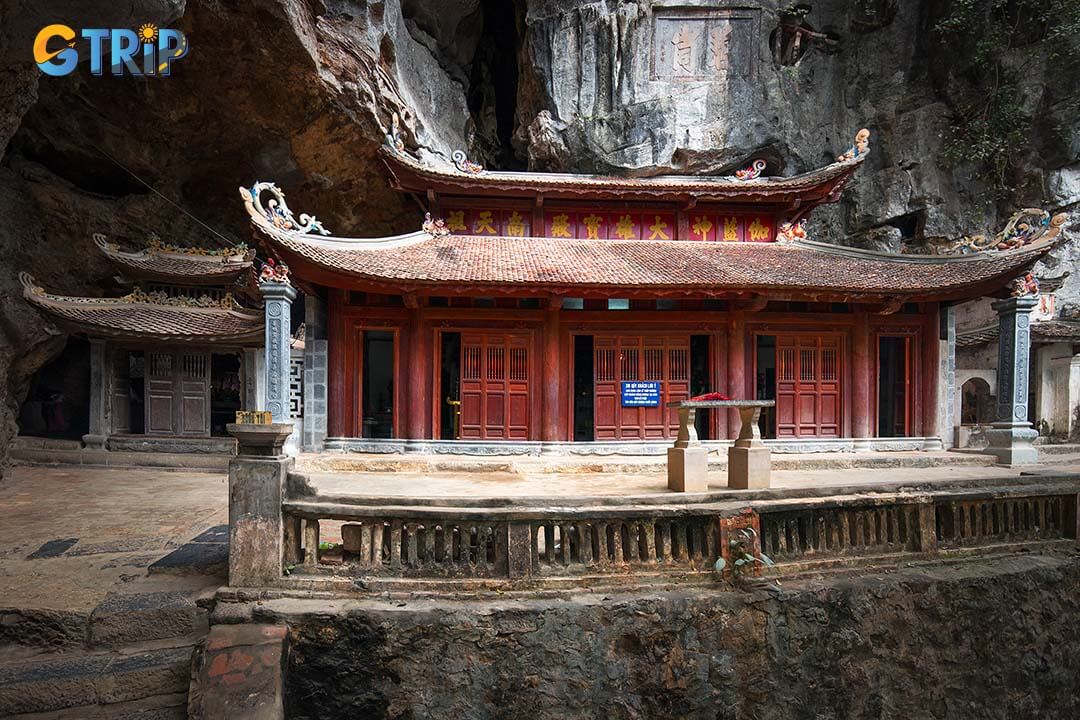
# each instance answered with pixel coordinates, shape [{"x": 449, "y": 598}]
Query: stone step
[
  {"x": 93, "y": 679},
  {"x": 120, "y": 620},
  {"x": 157, "y": 707},
  {"x": 1059, "y": 449}
]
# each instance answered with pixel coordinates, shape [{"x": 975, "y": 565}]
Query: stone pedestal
[
  {"x": 749, "y": 461},
  {"x": 257, "y": 478},
  {"x": 1011, "y": 435},
  {"x": 278, "y": 299},
  {"x": 688, "y": 464}
]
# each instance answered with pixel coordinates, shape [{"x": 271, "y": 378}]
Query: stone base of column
[
  {"x": 1011, "y": 443},
  {"x": 687, "y": 469},
  {"x": 749, "y": 467},
  {"x": 861, "y": 445},
  {"x": 94, "y": 442}
]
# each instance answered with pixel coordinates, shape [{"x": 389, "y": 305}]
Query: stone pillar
[
  {"x": 687, "y": 461},
  {"x": 257, "y": 478},
  {"x": 861, "y": 383},
  {"x": 749, "y": 461},
  {"x": 316, "y": 355},
  {"x": 1074, "y": 397},
  {"x": 100, "y": 396},
  {"x": 278, "y": 298},
  {"x": 1011, "y": 435},
  {"x": 551, "y": 396},
  {"x": 947, "y": 421}
]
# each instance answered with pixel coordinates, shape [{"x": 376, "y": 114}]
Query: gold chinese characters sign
[{"x": 254, "y": 417}]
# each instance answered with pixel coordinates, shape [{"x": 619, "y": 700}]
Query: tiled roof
[
  {"x": 176, "y": 267},
  {"x": 412, "y": 174},
  {"x": 1045, "y": 331},
  {"x": 422, "y": 260},
  {"x": 119, "y": 318}
]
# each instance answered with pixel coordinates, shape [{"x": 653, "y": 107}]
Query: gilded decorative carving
[
  {"x": 1023, "y": 228},
  {"x": 436, "y": 227}
]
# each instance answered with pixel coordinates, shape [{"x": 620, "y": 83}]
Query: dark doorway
[
  {"x": 700, "y": 381},
  {"x": 450, "y": 383},
  {"x": 892, "y": 387},
  {"x": 765, "y": 382},
  {"x": 378, "y": 384},
  {"x": 58, "y": 403},
  {"x": 583, "y": 388},
  {"x": 136, "y": 392},
  {"x": 224, "y": 391}
]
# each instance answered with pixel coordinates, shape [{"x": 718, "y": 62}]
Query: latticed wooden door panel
[
  {"x": 194, "y": 385},
  {"x": 120, "y": 407},
  {"x": 160, "y": 393},
  {"x": 495, "y": 376},
  {"x": 647, "y": 358},
  {"x": 808, "y": 385}
]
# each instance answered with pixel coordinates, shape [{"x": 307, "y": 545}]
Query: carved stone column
[
  {"x": 1011, "y": 435},
  {"x": 101, "y": 373},
  {"x": 278, "y": 297}
]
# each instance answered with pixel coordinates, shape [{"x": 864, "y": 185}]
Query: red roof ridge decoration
[
  {"x": 154, "y": 316},
  {"x": 821, "y": 185},
  {"x": 185, "y": 266}
]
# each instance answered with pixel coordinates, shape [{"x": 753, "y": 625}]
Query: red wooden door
[
  {"x": 650, "y": 358},
  {"x": 495, "y": 387},
  {"x": 808, "y": 385}
]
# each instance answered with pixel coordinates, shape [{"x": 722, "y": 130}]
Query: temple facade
[
  {"x": 170, "y": 360},
  {"x": 538, "y": 312}
]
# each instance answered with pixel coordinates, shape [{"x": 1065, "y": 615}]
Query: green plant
[
  {"x": 991, "y": 45},
  {"x": 741, "y": 551}
]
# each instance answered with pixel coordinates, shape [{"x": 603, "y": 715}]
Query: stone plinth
[
  {"x": 1011, "y": 435},
  {"x": 257, "y": 478}
]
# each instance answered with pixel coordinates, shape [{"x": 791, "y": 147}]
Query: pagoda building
[
  {"x": 166, "y": 359},
  {"x": 560, "y": 312}
]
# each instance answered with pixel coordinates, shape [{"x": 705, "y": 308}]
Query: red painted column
[
  {"x": 861, "y": 382},
  {"x": 551, "y": 388},
  {"x": 931, "y": 351},
  {"x": 719, "y": 381},
  {"x": 736, "y": 367},
  {"x": 416, "y": 374},
  {"x": 336, "y": 343}
]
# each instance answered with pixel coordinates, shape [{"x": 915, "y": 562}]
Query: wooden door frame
[
  {"x": 912, "y": 377},
  {"x": 354, "y": 383},
  {"x": 463, "y": 324}
]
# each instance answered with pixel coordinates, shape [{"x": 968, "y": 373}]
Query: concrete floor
[
  {"x": 532, "y": 478},
  {"x": 97, "y": 530}
]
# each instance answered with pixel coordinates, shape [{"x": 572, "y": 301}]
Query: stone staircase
[{"x": 130, "y": 658}]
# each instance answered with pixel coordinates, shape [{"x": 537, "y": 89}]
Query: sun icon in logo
[{"x": 148, "y": 33}]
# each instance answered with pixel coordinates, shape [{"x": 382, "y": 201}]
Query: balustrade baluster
[{"x": 311, "y": 542}]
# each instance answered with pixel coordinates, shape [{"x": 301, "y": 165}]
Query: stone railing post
[
  {"x": 1011, "y": 434},
  {"x": 257, "y": 477},
  {"x": 278, "y": 299}
]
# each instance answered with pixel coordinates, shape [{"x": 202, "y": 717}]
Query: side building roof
[
  {"x": 149, "y": 316},
  {"x": 172, "y": 265}
]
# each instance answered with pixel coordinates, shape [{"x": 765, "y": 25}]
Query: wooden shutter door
[
  {"x": 808, "y": 372},
  {"x": 194, "y": 383},
  {"x": 160, "y": 393},
  {"x": 607, "y": 392},
  {"x": 120, "y": 405},
  {"x": 495, "y": 372}
]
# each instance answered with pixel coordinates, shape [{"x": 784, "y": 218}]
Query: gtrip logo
[{"x": 148, "y": 51}]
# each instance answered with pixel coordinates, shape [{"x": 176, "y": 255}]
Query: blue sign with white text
[{"x": 641, "y": 394}]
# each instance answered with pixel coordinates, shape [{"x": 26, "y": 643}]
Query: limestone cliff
[{"x": 300, "y": 91}]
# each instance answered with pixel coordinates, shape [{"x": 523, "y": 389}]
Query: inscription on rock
[{"x": 703, "y": 44}]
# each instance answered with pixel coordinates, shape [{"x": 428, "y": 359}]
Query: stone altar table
[{"x": 748, "y": 460}]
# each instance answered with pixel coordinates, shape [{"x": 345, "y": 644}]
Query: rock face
[
  {"x": 990, "y": 639},
  {"x": 301, "y": 91}
]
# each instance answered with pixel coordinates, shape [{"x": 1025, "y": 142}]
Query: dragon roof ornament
[
  {"x": 1024, "y": 227},
  {"x": 860, "y": 148},
  {"x": 154, "y": 246},
  {"x": 464, "y": 164},
  {"x": 276, "y": 212}
]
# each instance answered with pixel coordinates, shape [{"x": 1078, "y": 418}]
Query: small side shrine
[
  {"x": 563, "y": 312},
  {"x": 166, "y": 359}
]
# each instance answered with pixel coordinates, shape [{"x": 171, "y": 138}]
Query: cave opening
[{"x": 493, "y": 90}]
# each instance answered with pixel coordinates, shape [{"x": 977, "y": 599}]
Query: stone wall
[{"x": 987, "y": 639}]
